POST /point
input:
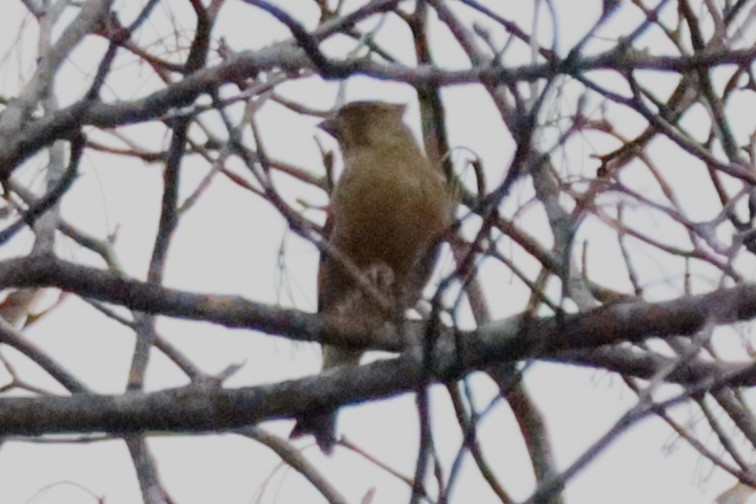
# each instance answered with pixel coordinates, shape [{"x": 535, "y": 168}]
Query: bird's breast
[{"x": 388, "y": 216}]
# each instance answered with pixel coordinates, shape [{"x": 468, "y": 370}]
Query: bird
[{"x": 388, "y": 213}]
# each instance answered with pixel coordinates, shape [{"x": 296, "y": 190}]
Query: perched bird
[{"x": 389, "y": 211}]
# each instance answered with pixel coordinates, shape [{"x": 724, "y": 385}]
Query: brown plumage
[{"x": 388, "y": 212}]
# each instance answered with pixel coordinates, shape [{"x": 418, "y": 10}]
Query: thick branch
[
  {"x": 211, "y": 408},
  {"x": 516, "y": 338},
  {"x": 24, "y": 142}
]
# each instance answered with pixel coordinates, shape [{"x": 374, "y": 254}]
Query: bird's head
[{"x": 364, "y": 123}]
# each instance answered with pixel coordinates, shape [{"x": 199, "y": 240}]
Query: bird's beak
[{"x": 329, "y": 125}]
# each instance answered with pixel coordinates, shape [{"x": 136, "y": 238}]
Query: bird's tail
[
  {"x": 321, "y": 423},
  {"x": 321, "y": 426}
]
